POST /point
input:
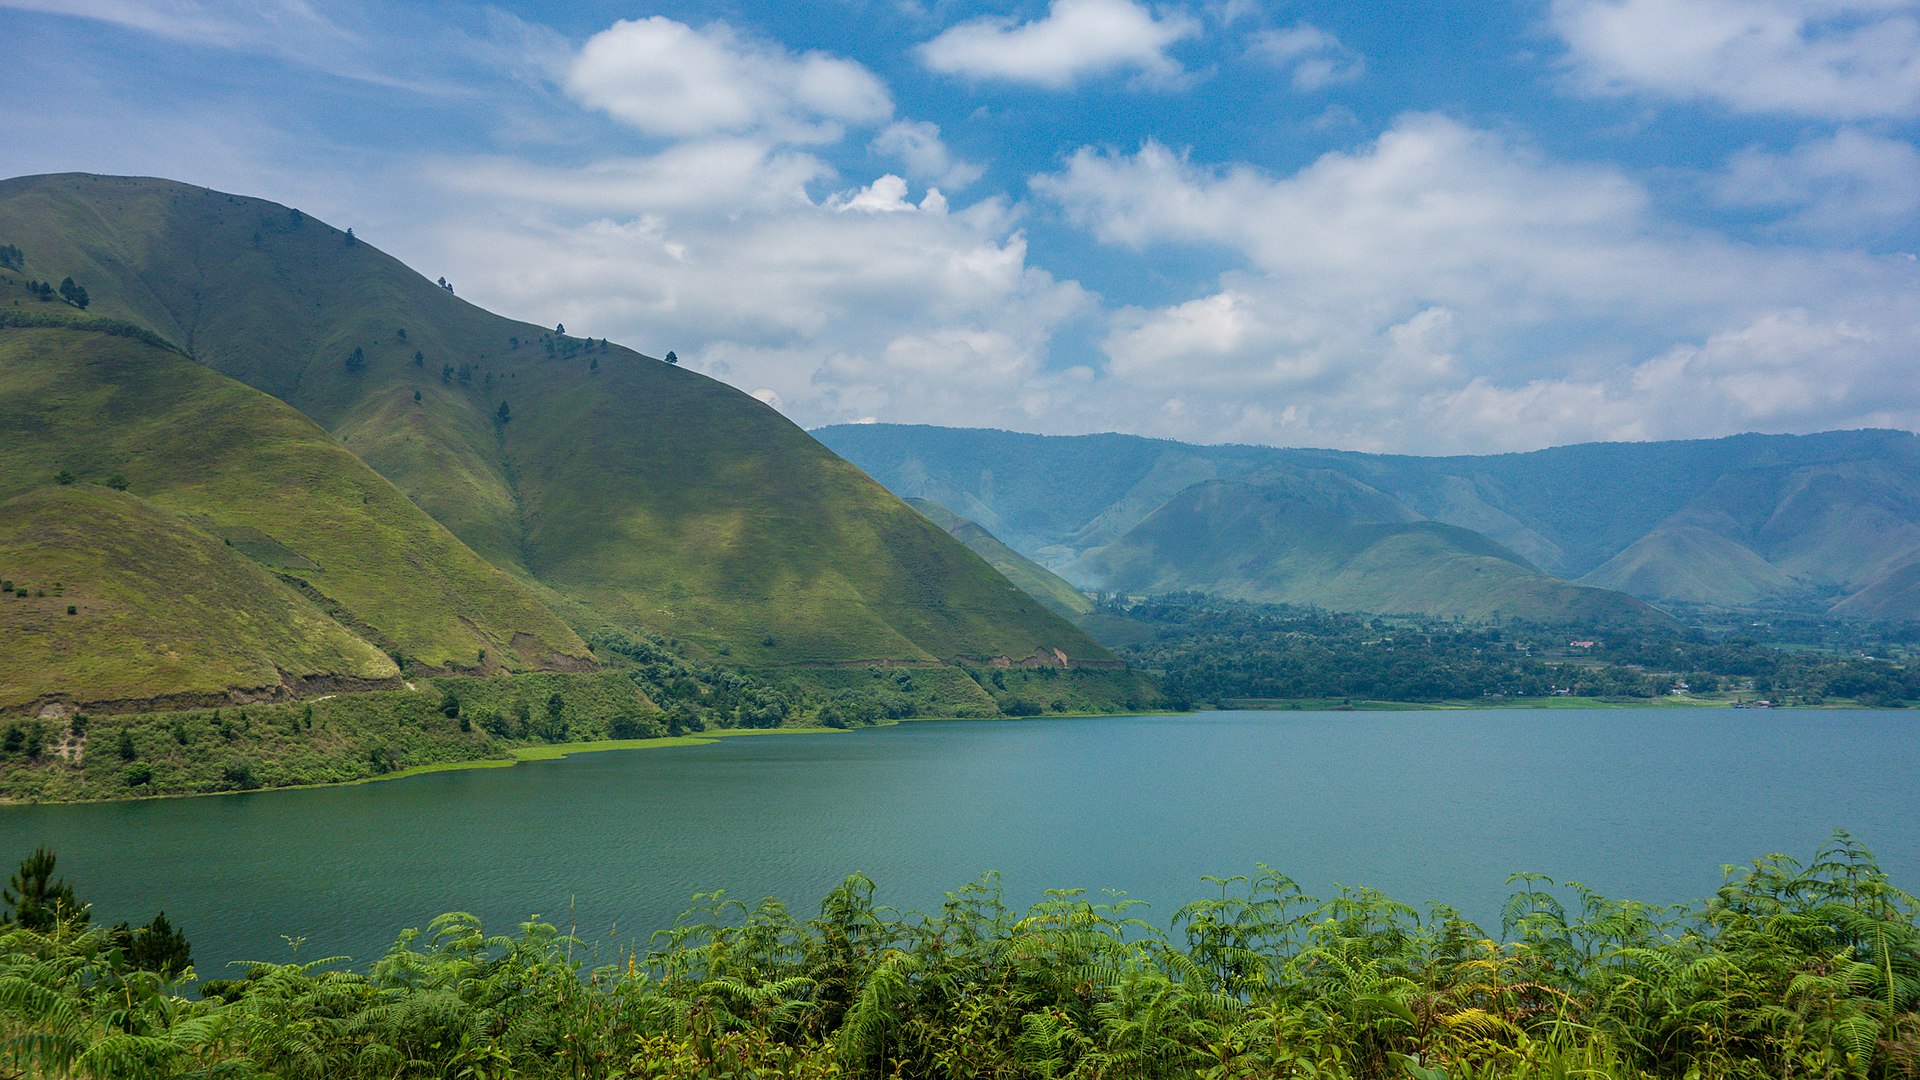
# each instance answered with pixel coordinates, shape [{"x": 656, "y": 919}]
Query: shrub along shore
[
  {"x": 1788, "y": 970},
  {"x": 649, "y": 694}
]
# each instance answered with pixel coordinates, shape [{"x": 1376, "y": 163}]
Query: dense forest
[
  {"x": 1786, "y": 971},
  {"x": 1212, "y": 650}
]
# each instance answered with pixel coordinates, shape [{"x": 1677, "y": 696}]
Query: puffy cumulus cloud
[
  {"x": 669, "y": 79},
  {"x": 1851, "y": 185},
  {"x": 1838, "y": 59},
  {"x": 1422, "y": 211},
  {"x": 888, "y": 195},
  {"x": 1076, "y": 39},
  {"x": 917, "y": 145},
  {"x": 1443, "y": 288},
  {"x": 1315, "y": 58},
  {"x": 877, "y": 301}
]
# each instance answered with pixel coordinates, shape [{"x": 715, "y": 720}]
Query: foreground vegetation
[
  {"x": 1787, "y": 971},
  {"x": 1212, "y": 650}
]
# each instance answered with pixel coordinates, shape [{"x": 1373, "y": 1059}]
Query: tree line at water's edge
[
  {"x": 1209, "y": 650},
  {"x": 647, "y": 688},
  {"x": 1786, "y": 971}
]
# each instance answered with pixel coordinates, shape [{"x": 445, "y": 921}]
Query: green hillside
[
  {"x": 1773, "y": 522},
  {"x": 624, "y": 492},
  {"x": 126, "y": 603},
  {"x": 345, "y": 568},
  {"x": 1319, "y": 538},
  {"x": 1035, "y": 580},
  {"x": 1894, "y": 594},
  {"x": 1694, "y": 565}
]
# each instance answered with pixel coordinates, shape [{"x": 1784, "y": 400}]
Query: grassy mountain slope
[
  {"x": 160, "y": 608},
  {"x": 1795, "y": 535},
  {"x": 1816, "y": 517},
  {"x": 626, "y": 492},
  {"x": 1035, "y": 580},
  {"x": 1319, "y": 538},
  {"x": 236, "y": 465},
  {"x": 1695, "y": 565},
  {"x": 1893, "y": 594},
  {"x": 1844, "y": 522}
]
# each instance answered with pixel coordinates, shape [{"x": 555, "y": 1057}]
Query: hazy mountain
[
  {"x": 1035, "y": 580},
  {"x": 1801, "y": 523},
  {"x": 1316, "y": 537}
]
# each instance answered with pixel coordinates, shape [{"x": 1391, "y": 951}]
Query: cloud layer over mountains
[{"x": 1581, "y": 219}]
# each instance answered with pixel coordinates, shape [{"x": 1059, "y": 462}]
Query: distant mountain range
[
  {"x": 1825, "y": 524},
  {"x": 266, "y": 458}
]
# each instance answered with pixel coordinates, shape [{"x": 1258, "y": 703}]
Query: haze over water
[{"x": 1421, "y": 805}]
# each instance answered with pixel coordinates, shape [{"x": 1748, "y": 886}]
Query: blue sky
[{"x": 1419, "y": 227}]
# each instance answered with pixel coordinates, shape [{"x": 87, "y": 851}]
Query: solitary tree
[
  {"x": 34, "y": 900},
  {"x": 503, "y": 414},
  {"x": 357, "y": 360},
  {"x": 157, "y": 947},
  {"x": 672, "y": 357}
]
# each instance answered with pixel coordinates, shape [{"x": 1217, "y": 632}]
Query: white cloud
[
  {"x": 1316, "y": 58},
  {"x": 669, "y": 79},
  {"x": 1852, "y": 185},
  {"x": 1229, "y": 12},
  {"x": 293, "y": 31},
  {"x": 533, "y": 53},
  {"x": 1837, "y": 59},
  {"x": 1445, "y": 289},
  {"x": 880, "y": 300},
  {"x": 888, "y": 195},
  {"x": 227, "y": 25},
  {"x": 1437, "y": 288},
  {"x": 1076, "y": 39},
  {"x": 1417, "y": 212},
  {"x": 917, "y": 145},
  {"x": 721, "y": 175}
]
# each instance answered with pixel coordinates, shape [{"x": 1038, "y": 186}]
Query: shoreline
[
  {"x": 517, "y": 755},
  {"x": 1459, "y": 704}
]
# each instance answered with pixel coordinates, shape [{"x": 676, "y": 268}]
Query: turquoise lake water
[{"x": 1422, "y": 805}]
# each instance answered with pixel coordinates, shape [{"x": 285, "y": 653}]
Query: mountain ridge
[{"x": 1794, "y": 503}]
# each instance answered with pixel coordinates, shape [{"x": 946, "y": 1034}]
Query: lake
[{"x": 1425, "y": 806}]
